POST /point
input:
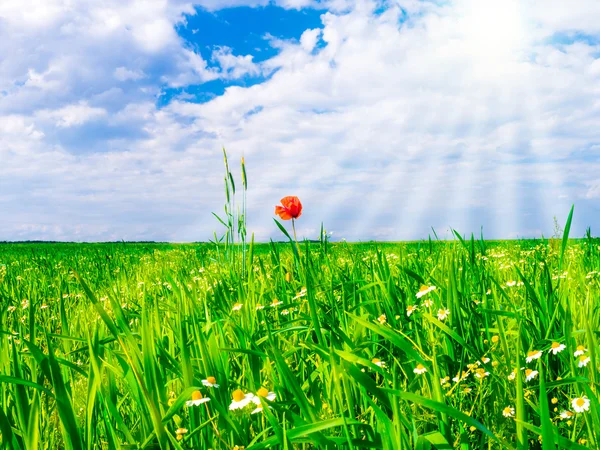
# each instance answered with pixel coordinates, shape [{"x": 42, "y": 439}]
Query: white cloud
[
  {"x": 125, "y": 74},
  {"x": 72, "y": 115},
  {"x": 383, "y": 130}
]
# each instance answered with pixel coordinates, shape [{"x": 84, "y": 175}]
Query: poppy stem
[{"x": 294, "y": 228}]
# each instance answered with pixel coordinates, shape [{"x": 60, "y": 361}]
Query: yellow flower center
[
  {"x": 532, "y": 353},
  {"x": 507, "y": 410},
  {"x": 528, "y": 372},
  {"x": 580, "y": 348},
  {"x": 420, "y": 367},
  {"x": 376, "y": 360},
  {"x": 580, "y": 402},
  {"x": 196, "y": 395},
  {"x": 423, "y": 288},
  {"x": 582, "y": 358},
  {"x": 211, "y": 380},
  {"x": 238, "y": 395},
  {"x": 262, "y": 392},
  {"x": 555, "y": 345}
]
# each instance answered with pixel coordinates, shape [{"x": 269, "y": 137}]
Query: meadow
[{"x": 438, "y": 344}]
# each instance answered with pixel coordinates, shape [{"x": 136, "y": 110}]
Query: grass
[{"x": 102, "y": 345}]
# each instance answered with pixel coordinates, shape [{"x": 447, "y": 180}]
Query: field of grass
[{"x": 463, "y": 344}]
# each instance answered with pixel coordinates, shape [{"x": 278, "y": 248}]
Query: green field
[{"x": 104, "y": 345}]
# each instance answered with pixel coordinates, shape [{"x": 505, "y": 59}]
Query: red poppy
[{"x": 291, "y": 209}]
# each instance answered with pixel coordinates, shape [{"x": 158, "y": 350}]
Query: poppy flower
[{"x": 291, "y": 209}]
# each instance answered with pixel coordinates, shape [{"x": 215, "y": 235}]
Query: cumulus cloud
[{"x": 385, "y": 121}]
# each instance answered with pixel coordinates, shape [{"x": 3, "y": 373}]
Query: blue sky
[{"x": 386, "y": 118}]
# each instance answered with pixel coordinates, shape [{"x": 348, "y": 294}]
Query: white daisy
[
  {"x": 240, "y": 400},
  {"x": 581, "y": 404},
  {"x": 237, "y": 307},
  {"x": 533, "y": 354},
  {"x": 530, "y": 374},
  {"x": 210, "y": 382},
  {"x": 580, "y": 350},
  {"x": 556, "y": 348},
  {"x": 442, "y": 314},
  {"x": 411, "y": 309},
  {"x": 583, "y": 360},
  {"x": 197, "y": 399},
  {"x": 509, "y": 411},
  {"x": 425, "y": 290},
  {"x": 420, "y": 369},
  {"x": 264, "y": 393}
]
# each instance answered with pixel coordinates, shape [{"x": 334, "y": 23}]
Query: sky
[{"x": 387, "y": 118}]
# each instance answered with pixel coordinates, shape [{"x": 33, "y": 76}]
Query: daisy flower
[
  {"x": 411, "y": 309},
  {"x": 428, "y": 303},
  {"x": 382, "y": 319},
  {"x": 259, "y": 307},
  {"x": 210, "y": 382},
  {"x": 425, "y": 290},
  {"x": 240, "y": 400},
  {"x": 442, "y": 314},
  {"x": 378, "y": 362},
  {"x": 285, "y": 312},
  {"x": 566, "y": 415},
  {"x": 512, "y": 375},
  {"x": 583, "y": 360},
  {"x": 581, "y": 404},
  {"x": 444, "y": 380},
  {"x": 530, "y": 374},
  {"x": 420, "y": 369},
  {"x": 237, "y": 307},
  {"x": 580, "y": 350},
  {"x": 197, "y": 399},
  {"x": 533, "y": 354},
  {"x": 264, "y": 393},
  {"x": 509, "y": 411},
  {"x": 556, "y": 348},
  {"x": 511, "y": 283},
  {"x": 275, "y": 303},
  {"x": 485, "y": 360}
]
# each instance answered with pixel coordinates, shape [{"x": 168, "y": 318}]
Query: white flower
[
  {"x": 512, "y": 375},
  {"x": 583, "y": 360},
  {"x": 556, "y": 348},
  {"x": 530, "y": 374},
  {"x": 259, "y": 307},
  {"x": 382, "y": 319},
  {"x": 533, "y": 354},
  {"x": 581, "y": 404},
  {"x": 420, "y": 369},
  {"x": 442, "y": 314},
  {"x": 285, "y": 312},
  {"x": 276, "y": 303},
  {"x": 425, "y": 290},
  {"x": 197, "y": 399},
  {"x": 378, "y": 362},
  {"x": 485, "y": 360},
  {"x": 264, "y": 393},
  {"x": 411, "y": 309},
  {"x": 509, "y": 411},
  {"x": 240, "y": 400},
  {"x": 566, "y": 415},
  {"x": 580, "y": 350},
  {"x": 428, "y": 303},
  {"x": 210, "y": 382},
  {"x": 511, "y": 283},
  {"x": 237, "y": 307},
  {"x": 302, "y": 293}
]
